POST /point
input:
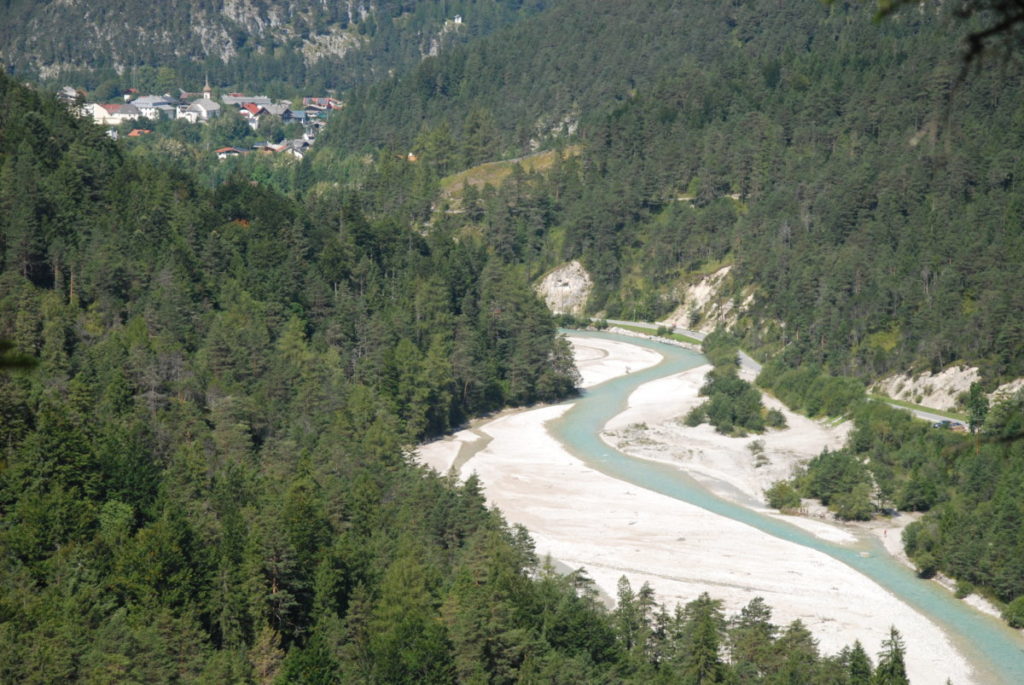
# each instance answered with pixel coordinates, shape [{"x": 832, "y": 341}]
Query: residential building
[
  {"x": 225, "y": 152},
  {"x": 201, "y": 110},
  {"x": 157, "y": 106},
  {"x": 238, "y": 99},
  {"x": 112, "y": 114}
]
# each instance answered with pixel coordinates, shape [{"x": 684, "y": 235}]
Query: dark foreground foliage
[{"x": 205, "y": 479}]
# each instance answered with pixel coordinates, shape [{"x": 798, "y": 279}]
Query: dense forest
[
  {"x": 280, "y": 48},
  {"x": 967, "y": 485},
  {"x": 866, "y": 195},
  {"x": 206, "y": 476}
]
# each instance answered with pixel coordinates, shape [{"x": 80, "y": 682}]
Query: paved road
[
  {"x": 746, "y": 361},
  {"x": 925, "y": 415}
]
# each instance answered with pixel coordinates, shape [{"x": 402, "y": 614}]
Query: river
[{"x": 995, "y": 651}]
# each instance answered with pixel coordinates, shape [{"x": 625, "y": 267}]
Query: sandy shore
[
  {"x": 584, "y": 518},
  {"x": 652, "y": 428},
  {"x": 601, "y": 360}
]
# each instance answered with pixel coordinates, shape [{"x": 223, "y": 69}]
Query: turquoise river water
[{"x": 995, "y": 651}]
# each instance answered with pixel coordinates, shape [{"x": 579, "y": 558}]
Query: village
[{"x": 202, "y": 108}]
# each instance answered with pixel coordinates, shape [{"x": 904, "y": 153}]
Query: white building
[
  {"x": 156, "y": 106},
  {"x": 112, "y": 115},
  {"x": 201, "y": 110}
]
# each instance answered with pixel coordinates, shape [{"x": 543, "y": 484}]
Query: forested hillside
[
  {"x": 212, "y": 447},
  {"x": 863, "y": 186},
  {"x": 206, "y": 477},
  {"x": 866, "y": 196},
  {"x": 967, "y": 486},
  {"x": 278, "y": 48}
]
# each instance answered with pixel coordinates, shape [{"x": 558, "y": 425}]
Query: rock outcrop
[
  {"x": 565, "y": 290},
  {"x": 937, "y": 390},
  {"x": 940, "y": 390},
  {"x": 704, "y": 308}
]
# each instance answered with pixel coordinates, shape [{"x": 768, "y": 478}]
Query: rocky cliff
[
  {"x": 565, "y": 290},
  {"x": 704, "y": 307}
]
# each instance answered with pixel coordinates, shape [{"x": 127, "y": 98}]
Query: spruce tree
[{"x": 892, "y": 669}]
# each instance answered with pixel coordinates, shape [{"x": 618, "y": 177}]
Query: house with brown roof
[{"x": 225, "y": 152}]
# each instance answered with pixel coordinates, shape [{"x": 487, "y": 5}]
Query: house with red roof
[
  {"x": 252, "y": 112},
  {"x": 225, "y": 152}
]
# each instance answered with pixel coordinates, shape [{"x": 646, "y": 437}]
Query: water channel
[{"x": 995, "y": 651}]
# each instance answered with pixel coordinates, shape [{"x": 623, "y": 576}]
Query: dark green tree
[{"x": 891, "y": 669}]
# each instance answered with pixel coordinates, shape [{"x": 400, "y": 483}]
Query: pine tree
[
  {"x": 858, "y": 665},
  {"x": 751, "y": 640},
  {"x": 891, "y": 668},
  {"x": 702, "y": 642}
]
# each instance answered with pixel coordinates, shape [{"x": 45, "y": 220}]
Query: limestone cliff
[
  {"x": 704, "y": 306},
  {"x": 939, "y": 390},
  {"x": 565, "y": 290}
]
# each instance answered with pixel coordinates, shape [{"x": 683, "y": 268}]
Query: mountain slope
[
  {"x": 243, "y": 43},
  {"x": 868, "y": 200},
  {"x": 206, "y": 478}
]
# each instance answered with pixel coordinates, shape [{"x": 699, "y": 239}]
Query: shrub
[
  {"x": 756, "y": 448},
  {"x": 855, "y": 505},
  {"x": 1014, "y": 613},
  {"x": 963, "y": 588},
  {"x": 927, "y": 565},
  {"x": 570, "y": 321},
  {"x": 920, "y": 536},
  {"x": 782, "y": 495},
  {"x": 832, "y": 474},
  {"x": 695, "y": 417},
  {"x": 774, "y": 418}
]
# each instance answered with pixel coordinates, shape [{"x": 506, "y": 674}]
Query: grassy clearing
[
  {"x": 911, "y": 405},
  {"x": 712, "y": 267},
  {"x": 495, "y": 173}
]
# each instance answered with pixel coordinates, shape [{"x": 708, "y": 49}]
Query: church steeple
[{"x": 207, "y": 91}]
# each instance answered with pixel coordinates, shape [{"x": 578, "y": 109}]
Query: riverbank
[
  {"x": 652, "y": 428},
  {"x": 736, "y": 468},
  {"x": 584, "y": 518}
]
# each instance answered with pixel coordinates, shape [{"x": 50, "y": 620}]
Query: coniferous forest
[
  {"x": 206, "y": 471},
  {"x": 861, "y": 182},
  {"x": 206, "y": 476},
  {"x": 274, "y": 47}
]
